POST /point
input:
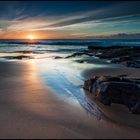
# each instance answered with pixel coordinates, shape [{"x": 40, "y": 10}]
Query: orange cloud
[{"x": 36, "y": 35}]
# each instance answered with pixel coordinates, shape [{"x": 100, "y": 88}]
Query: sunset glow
[
  {"x": 31, "y": 37},
  {"x": 86, "y": 20}
]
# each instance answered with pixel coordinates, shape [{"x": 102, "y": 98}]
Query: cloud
[
  {"x": 82, "y": 22},
  {"x": 120, "y": 10}
]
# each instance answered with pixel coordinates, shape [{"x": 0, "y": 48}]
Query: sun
[{"x": 31, "y": 37}]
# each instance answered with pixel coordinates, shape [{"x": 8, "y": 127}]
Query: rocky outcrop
[
  {"x": 129, "y": 56},
  {"x": 79, "y": 54},
  {"x": 58, "y": 57},
  {"x": 115, "y": 90},
  {"x": 20, "y": 57},
  {"x": 135, "y": 63}
]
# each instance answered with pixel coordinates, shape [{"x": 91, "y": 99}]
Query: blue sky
[{"x": 71, "y": 19}]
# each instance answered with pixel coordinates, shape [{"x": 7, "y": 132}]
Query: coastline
[{"x": 30, "y": 110}]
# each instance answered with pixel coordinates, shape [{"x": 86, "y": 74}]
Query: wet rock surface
[
  {"x": 58, "y": 57},
  {"x": 20, "y": 57},
  {"x": 134, "y": 63},
  {"x": 121, "y": 90},
  {"x": 128, "y": 56},
  {"x": 80, "y": 54}
]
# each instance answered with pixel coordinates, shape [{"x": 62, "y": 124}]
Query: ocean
[{"x": 61, "y": 45}]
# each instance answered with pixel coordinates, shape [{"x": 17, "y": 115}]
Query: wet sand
[{"x": 28, "y": 109}]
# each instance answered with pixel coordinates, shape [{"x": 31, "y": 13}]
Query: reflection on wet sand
[{"x": 37, "y": 112}]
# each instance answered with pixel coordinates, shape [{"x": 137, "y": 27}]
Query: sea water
[{"x": 59, "y": 45}]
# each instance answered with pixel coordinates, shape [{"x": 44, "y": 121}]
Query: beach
[
  {"x": 31, "y": 110},
  {"x": 69, "y": 70},
  {"x": 42, "y": 95}
]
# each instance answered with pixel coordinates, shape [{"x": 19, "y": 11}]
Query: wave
[{"x": 82, "y": 42}]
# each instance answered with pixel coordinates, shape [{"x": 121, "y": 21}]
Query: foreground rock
[{"x": 116, "y": 90}]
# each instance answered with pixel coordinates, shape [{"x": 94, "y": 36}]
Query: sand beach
[{"x": 28, "y": 109}]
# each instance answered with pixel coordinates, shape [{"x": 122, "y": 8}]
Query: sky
[{"x": 69, "y": 19}]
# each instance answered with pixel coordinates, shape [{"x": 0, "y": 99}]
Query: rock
[
  {"x": 19, "y": 57},
  {"x": 88, "y": 84},
  {"x": 74, "y": 55},
  {"x": 80, "y": 61},
  {"x": 115, "y": 90},
  {"x": 57, "y": 57},
  {"x": 121, "y": 59},
  {"x": 24, "y": 52},
  {"x": 136, "y": 109},
  {"x": 127, "y": 55},
  {"x": 135, "y": 64},
  {"x": 79, "y": 54}
]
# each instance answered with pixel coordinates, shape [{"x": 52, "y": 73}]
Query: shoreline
[{"x": 31, "y": 110}]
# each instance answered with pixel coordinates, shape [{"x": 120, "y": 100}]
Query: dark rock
[
  {"x": 19, "y": 57},
  {"x": 80, "y": 61},
  {"x": 79, "y": 54},
  {"x": 88, "y": 84},
  {"x": 57, "y": 57},
  {"x": 135, "y": 64},
  {"x": 136, "y": 108},
  {"x": 118, "y": 54},
  {"x": 115, "y": 90},
  {"x": 25, "y": 52},
  {"x": 121, "y": 59}
]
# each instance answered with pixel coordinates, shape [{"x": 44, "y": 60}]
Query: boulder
[{"x": 115, "y": 90}]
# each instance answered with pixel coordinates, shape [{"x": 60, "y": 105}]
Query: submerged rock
[
  {"x": 135, "y": 64},
  {"x": 58, "y": 57},
  {"x": 79, "y": 54},
  {"x": 118, "y": 54},
  {"x": 24, "y": 52},
  {"x": 19, "y": 57},
  {"x": 115, "y": 90},
  {"x": 121, "y": 59},
  {"x": 80, "y": 61}
]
